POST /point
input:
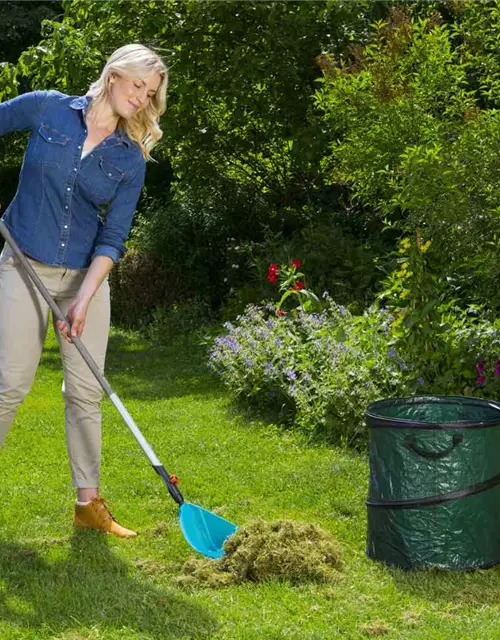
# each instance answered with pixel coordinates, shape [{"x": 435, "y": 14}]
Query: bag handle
[{"x": 433, "y": 455}]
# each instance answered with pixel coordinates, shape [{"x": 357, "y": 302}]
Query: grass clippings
[
  {"x": 377, "y": 628},
  {"x": 260, "y": 551}
]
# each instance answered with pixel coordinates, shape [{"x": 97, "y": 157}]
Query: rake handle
[{"x": 92, "y": 364}]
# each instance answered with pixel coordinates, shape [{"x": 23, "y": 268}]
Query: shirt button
[
  {"x": 65, "y": 226},
  {"x": 66, "y": 206},
  {"x": 68, "y": 189},
  {"x": 75, "y": 169},
  {"x": 62, "y": 244},
  {"x": 79, "y": 146}
]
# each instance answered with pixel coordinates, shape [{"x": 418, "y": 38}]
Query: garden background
[{"x": 320, "y": 229}]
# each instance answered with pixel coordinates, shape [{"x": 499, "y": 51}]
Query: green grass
[{"x": 56, "y": 584}]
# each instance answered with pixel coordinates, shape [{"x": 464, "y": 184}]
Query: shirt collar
[{"x": 82, "y": 102}]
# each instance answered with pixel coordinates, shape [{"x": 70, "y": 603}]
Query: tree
[{"x": 21, "y": 25}]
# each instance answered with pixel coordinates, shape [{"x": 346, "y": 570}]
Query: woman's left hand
[{"x": 76, "y": 315}]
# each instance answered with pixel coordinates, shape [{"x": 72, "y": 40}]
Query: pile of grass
[{"x": 259, "y": 551}]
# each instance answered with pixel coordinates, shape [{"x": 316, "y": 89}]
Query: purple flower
[
  {"x": 480, "y": 381},
  {"x": 233, "y": 345},
  {"x": 277, "y": 342},
  {"x": 391, "y": 353},
  {"x": 291, "y": 374},
  {"x": 497, "y": 368},
  {"x": 480, "y": 367},
  {"x": 420, "y": 380}
]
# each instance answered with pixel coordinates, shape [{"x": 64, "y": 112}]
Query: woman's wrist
[{"x": 84, "y": 296}]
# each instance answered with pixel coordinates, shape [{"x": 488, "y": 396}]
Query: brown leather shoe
[{"x": 96, "y": 515}]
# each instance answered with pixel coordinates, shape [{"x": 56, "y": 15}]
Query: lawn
[{"x": 57, "y": 584}]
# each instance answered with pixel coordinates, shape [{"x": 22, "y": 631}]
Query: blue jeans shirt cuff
[{"x": 106, "y": 250}]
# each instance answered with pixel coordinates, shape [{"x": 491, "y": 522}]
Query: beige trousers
[{"x": 24, "y": 317}]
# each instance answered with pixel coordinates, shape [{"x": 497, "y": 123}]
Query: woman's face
[{"x": 129, "y": 95}]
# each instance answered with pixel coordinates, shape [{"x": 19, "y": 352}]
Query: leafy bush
[
  {"x": 412, "y": 141},
  {"x": 322, "y": 368},
  {"x": 456, "y": 349},
  {"x": 140, "y": 283},
  {"x": 171, "y": 323}
]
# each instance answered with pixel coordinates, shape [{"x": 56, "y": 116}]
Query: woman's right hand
[{"x": 76, "y": 316}]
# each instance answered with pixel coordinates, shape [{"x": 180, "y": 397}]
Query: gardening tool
[{"x": 203, "y": 530}]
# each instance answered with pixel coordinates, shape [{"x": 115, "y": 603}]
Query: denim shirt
[{"x": 67, "y": 210}]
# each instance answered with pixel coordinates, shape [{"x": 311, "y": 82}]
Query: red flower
[
  {"x": 298, "y": 285},
  {"x": 280, "y": 312},
  {"x": 272, "y": 272},
  {"x": 296, "y": 263}
]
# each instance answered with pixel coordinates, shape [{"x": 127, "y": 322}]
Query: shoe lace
[{"x": 105, "y": 504}]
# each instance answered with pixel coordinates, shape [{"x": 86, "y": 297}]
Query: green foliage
[
  {"x": 190, "y": 237},
  {"x": 410, "y": 140},
  {"x": 321, "y": 369},
  {"x": 336, "y": 259},
  {"x": 21, "y": 25},
  {"x": 59, "y": 66},
  {"x": 140, "y": 283},
  {"x": 403, "y": 90},
  {"x": 444, "y": 341},
  {"x": 476, "y": 30},
  {"x": 8, "y": 81},
  {"x": 174, "y": 322}
]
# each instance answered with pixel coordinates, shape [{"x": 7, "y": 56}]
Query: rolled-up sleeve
[
  {"x": 21, "y": 113},
  {"x": 118, "y": 218}
]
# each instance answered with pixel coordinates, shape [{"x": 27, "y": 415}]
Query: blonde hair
[{"x": 136, "y": 61}]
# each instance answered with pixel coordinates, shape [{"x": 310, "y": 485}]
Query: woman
[{"x": 82, "y": 175}]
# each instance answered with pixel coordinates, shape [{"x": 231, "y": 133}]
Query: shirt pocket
[
  {"x": 51, "y": 146},
  {"x": 104, "y": 181}
]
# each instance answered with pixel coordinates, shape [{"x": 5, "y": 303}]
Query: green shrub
[
  {"x": 141, "y": 283},
  {"x": 455, "y": 348},
  {"x": 171, "y": 323},
  {"x": 413, "y": 137},
  {"x": 322, "y": 368}
]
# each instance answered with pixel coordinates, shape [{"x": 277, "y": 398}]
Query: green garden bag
[{"x": 434, "y": 493}]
